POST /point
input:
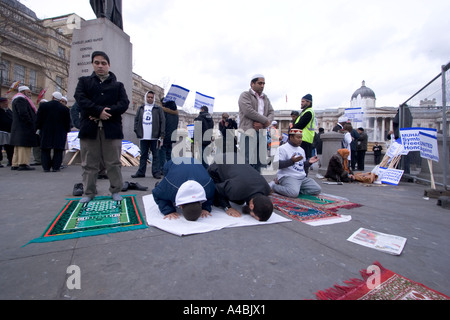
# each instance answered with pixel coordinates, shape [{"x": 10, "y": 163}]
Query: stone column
[{"x": 332, "y": 141}]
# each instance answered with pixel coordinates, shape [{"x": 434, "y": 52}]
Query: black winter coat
[
  {"x": 93, "y": 96},
  {"x": 23, "y": 130},
  {"x": 53, "y": 121},
  {"x": 238, "y": 183}
]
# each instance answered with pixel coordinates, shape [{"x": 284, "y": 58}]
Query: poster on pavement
[{"x": 380, "y": 241}]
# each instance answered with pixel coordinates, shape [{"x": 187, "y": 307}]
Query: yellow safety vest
[{"x": 308, "y": 131}]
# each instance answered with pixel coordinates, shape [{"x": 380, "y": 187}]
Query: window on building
[
  {"x": 19, "y": 73},
  {"x": 4, "y": 67},
  {"x": 61, "y": 52},
  {"x": 59, "y": 84},
  {"x": 33, "y": 80}
]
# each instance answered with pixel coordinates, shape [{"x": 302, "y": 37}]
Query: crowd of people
[{"x": 192, "y": 185}]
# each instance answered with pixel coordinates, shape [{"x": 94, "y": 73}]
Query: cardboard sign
[
  {"x": 177, "y": 94},
  {"x": 411, "y": 137},
  {"x": 429, "y": 147},
  {"x": 390, "y": 176},
  {"x": 202, "y": 100}
]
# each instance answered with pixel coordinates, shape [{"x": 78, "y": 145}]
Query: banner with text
[
  {"x": 203, "y": 100},
  {"x": 411, "y": 137},
  {"x": 354, "y": 114},
  {"x": 177, "y": 94},
  {"x": 429, "y": 146}
]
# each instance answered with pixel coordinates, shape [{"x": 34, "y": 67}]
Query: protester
[
  {"x": 186, "y": 184},
  {"x": 227, "y": 127},
  {"x": 294, "y": 116},
  {"x": 338, "y": 169},
  {"x": 6, "y": 119},
  {"x": 172, "y": 119},
  {"x": 256, "y": 114},
  {"x": 23, "y": 129},
  {"x": 102, "y": 101},
  {"x": 53, "y": 123},
  {"x": 149, "y": 126},
  {"x": 241, "y": 184},
  {"x": 307, "y": 123},
  {"x": 377, "y": 153},
  {"x": 347, "y": 140},
  {"x": 291, "y": 178},
  {"x": 205, "y": 122},
  {"x": 361, "y": 148}
]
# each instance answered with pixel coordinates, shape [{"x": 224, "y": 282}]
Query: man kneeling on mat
[
  {"x": 241, "y": 184},
  {"x": 187, "y": 185}
]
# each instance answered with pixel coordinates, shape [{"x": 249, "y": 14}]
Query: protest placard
[
  {"x": 203, "y": 100},
  {"x": 428, "y": 146},
  {"x": 177, "y": 94},
  {"x": 354, "y": 114},
  {"x": 411, "y": 137},
  {"x": 390, "y": 176}
]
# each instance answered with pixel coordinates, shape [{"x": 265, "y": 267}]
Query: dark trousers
[
  {"x": 146, "y": 147},
  {"x": 51, "y": 162},
  {"x": 9, "y": 153},
  {"x": 360, "y": 157}
]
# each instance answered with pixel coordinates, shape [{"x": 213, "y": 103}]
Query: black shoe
[
  {"x": 125, "y": 186},
  {"x": 78, "y": 190},
  {"x": 102, "y": 177},
  {"x": 25, "y": 167},
  {"x": 14, "y": 168},
  {"x": 137, "y": 186},
  {"x": 157, "y": 176},
  {"x": 138, "y": 175}
]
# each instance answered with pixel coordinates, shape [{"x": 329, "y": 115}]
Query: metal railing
[{"x": 429, "y": 97}]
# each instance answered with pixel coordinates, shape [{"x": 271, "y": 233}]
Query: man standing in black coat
[
  {"x": 102, "y": 101},
  {"x": 6, "y": 118},
  {"x": 53, "y": 122},
  {"x": 207, "y": 123}
]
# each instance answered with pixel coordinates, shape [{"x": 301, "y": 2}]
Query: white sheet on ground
[{"x": 219, "y": 220}]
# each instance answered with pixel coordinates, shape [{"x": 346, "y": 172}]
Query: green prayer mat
[
  {"x": 326, "y": 202},
  {"x": 101, "y": 215}
]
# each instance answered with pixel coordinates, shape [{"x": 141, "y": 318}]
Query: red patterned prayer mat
[
  {"x": 326, "y": 202},
  {"x": 295, "y": 209},
  {"x": 380, "y": 284}
]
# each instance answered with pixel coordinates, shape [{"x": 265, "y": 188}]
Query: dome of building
[{"x": 364, "y": 92}]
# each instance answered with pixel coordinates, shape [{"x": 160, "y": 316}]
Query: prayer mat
[
  {"x": 295, "y": 209},
  {"x": 380, "y": 284},
  {"x": 102, "y": 215},
  {"x": 326, "y": 202}
]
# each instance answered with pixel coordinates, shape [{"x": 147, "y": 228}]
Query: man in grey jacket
[
  {"x": 256, "y": 114},
  {"x": 149, "y": 126}
]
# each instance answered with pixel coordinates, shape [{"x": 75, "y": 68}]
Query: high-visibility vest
[{"x": 308, "y": 131}]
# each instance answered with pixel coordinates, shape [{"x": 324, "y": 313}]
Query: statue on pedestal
[{"x": 109, "y": 9}]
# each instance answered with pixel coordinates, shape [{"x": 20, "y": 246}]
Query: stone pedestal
[
  {"x": 102, "y": 35},
  {"x": 332, "y": 142}
]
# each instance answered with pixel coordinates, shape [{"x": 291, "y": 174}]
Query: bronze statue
[{"x": 110, "y": 9}]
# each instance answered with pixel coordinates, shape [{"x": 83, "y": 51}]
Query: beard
[{"x": 246, "y": 209}]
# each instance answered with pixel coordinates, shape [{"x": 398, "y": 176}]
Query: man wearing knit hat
[
  {"x": 23, "y": 130},
  {"x": 307, "y": 123}
]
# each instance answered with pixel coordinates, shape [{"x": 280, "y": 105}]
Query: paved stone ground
[{"x": 287, "y": 261}]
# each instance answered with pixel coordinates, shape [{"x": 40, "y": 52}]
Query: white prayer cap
[
  {"x": 64, "y": 98},
  {"x": 189, "y": 192},
  {"x": 23, "y": 88},
  {"x": 57, "y": 95},
  {"x": 44, "y": 100},
  {"x": 257, "y": 76},
  {"x": 274, "y": 123}
]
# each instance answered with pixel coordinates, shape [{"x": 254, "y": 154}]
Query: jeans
[{"x": 146, "y": 146}]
